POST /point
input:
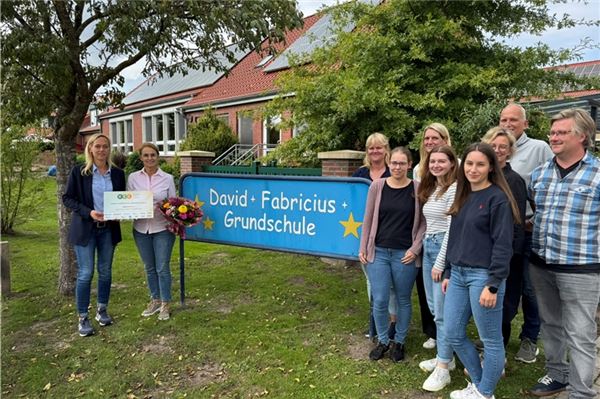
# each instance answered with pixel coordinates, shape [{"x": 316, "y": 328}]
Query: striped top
[
  {"x": 438, "y": 221},
  {"x": 566, "y": 232}
]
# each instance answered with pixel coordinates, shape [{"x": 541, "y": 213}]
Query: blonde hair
[
  {"x": 583, "y": 124},
  {"x": 498, "y": 131},
  {"x": 444, "y": 134},
  {"x": 373, "y": 139},
  {"x": 89, "y": 158}
]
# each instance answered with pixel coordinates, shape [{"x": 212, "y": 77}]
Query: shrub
[
  {"x": 172, "y": 168},
  {"x": 79, "y": 159},
  {"x": 209, "y": 134},
  {"x": 134, "y": 163},
  {"x": 19, "y": 200}
]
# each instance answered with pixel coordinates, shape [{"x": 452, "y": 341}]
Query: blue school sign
[{"x": 309, "y": 215}]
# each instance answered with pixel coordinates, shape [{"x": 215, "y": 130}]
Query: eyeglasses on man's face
[{"x": 559, "y": 133}]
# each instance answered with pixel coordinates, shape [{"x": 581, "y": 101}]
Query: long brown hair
[
  {"x": 429, "y": 182},
  {"x": 463, "y": 187}
]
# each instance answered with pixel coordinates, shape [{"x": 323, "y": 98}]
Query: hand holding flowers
[{"x": 180, "y": 213}]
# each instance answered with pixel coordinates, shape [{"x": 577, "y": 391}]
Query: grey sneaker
[
  {"x": 528, "y": 351},
  {"x": 85, "y": 327},
  {"x": 165, "y": 311},
  {"x": 152, "y": 308},
  {"x": 103, "y": 318}
]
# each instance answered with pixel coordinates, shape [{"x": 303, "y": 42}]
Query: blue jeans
[
  {"x": 101, "y": 244},
  {"x": 384, "y": 272},
  {"x": 155, "y": 250},
  {"x": 462, "y": 302},
  {"x": 568, "y": 304},
  {"x": 435, "y": 297}
]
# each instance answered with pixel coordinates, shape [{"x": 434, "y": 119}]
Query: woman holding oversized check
[
  {"x": 90, "y": 234},
  {"x": 153, "y": 240}
]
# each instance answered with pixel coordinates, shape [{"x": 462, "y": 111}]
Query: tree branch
[{"x": 79, "y": 7}]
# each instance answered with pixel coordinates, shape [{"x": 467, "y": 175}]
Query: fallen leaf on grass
[{"x": 47, "y": 387}]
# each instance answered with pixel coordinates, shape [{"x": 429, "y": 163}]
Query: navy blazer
[{"x": 79, "y": 199}]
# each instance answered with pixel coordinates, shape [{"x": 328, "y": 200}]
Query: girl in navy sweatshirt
[{"x": 477, "y": 264}]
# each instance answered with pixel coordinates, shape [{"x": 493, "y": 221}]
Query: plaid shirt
[{"x": 567, "y": 216}]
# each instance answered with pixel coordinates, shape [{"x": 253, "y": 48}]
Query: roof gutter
[
  {"x": 147, "y": 107},
  {"x": 231, "y": 103}
]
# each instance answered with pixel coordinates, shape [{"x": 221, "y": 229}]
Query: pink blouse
[{"x": 162, "y": 186}]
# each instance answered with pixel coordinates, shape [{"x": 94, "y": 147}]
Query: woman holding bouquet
[
  {"x": 91, "y": 235},
  {"x": 152, "y": 238}
]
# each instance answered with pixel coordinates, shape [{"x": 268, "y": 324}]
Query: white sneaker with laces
[
  {"x": 470, "y": 392},
  {"x": 429, "y": 365},
  {"x": 437, "y": 380},
  {"x": 429, "y": 344}
]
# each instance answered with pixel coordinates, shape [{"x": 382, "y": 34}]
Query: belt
[{"x": 100, "y": 225}]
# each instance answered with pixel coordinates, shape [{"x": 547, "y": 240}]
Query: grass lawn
[{"x": 256, "y": 324}]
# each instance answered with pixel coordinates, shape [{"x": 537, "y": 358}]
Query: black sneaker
[
  {"x": 103, "y": 318},
  {"x": 85, "y": 327},
  {"x": 546, "y": 386},
  {"x": 379, "y": 351},
  {"x": 397, "y": 353}
]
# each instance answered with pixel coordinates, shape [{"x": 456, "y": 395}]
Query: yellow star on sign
[
  {"x": 351, "y": 226},
  {"x": 208, "y": 224},
  {"x": 197, "y": 201}
]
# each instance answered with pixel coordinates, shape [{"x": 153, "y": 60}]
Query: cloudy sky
[{"x": 566, "y": 38}]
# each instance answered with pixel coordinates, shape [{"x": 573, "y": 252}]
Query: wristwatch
[{"x": 493, "y": 290}]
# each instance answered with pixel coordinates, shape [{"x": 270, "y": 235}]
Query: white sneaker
[
  {"x": 470, "y": 392},
  {"x": 437, "y": 380},
  {"x": 429, "y": 344},
  {"x": 429, "y": 365}
]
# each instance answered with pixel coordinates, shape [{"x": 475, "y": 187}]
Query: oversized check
[{"x": 124, "y": 205}]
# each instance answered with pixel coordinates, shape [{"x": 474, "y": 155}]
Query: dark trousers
[
  {"x": 512, "y": 295},
  {"x": 531, "y": 315},
  {"x": 427, "y": 322}
]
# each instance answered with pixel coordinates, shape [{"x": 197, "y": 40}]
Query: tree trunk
[{"x": 65, "y": 160}]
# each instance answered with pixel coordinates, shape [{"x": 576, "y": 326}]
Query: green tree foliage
[
  {"x": 133, "y": 163},
  {"x": 18, "y": 198},
  {"x": 209, "y": 133},
  {"x": 408, "y": 63},
  {"x": 477, "y": 120},
  {"x": 56, "y": 55}
]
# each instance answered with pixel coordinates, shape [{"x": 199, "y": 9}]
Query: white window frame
[
  {"x": 239, "y": 116},
  {"x": 270, "y": 122},
  {"x": 164, "y": 144},
  {"x": 121, "y": 142}
]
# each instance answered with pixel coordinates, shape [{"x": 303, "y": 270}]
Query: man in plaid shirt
[{"x": 566, "y": 255}]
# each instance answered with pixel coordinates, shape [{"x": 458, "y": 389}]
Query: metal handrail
[{"x": 241, "y": 153}]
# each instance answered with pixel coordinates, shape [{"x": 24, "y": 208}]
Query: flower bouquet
[{"x": 180, "y": 213}]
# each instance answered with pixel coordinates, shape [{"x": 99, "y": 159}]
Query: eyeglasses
[
  {"x": 559, "y": 133},
  {"x": 502, "y": 147},
  {"x": 395, "y": 164}
]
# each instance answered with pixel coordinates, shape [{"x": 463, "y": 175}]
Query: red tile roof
[{"x": 245, "y": 79}]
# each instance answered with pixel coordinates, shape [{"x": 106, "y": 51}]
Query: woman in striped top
[{"x": 436, "y": 192}]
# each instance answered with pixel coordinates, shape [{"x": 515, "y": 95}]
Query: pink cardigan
[{"x": 371, "y": 221}]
